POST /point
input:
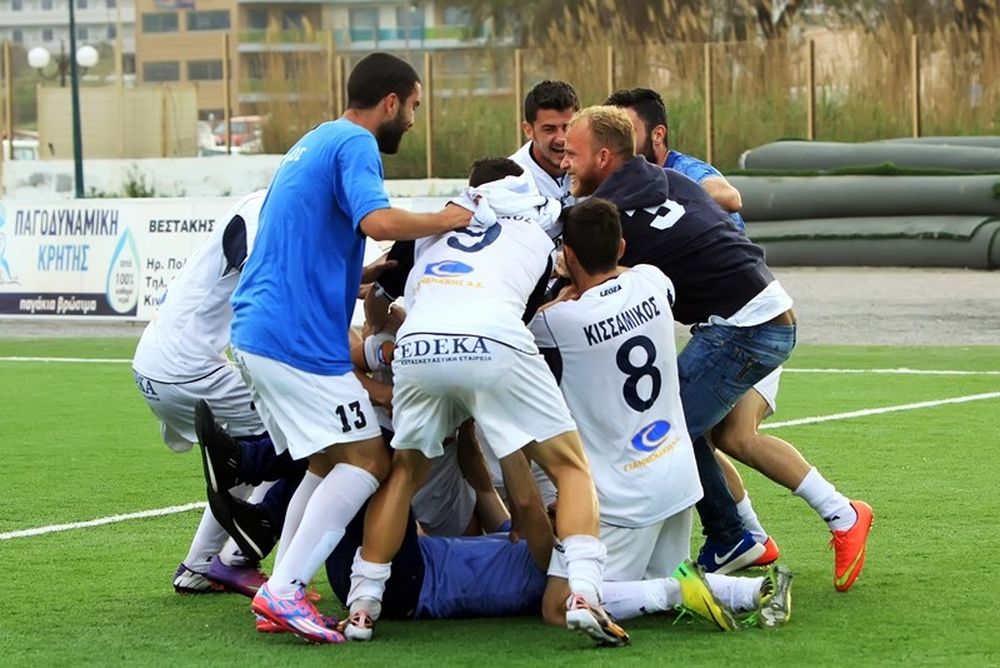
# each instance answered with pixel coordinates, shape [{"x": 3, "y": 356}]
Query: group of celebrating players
[{"x": 549, "y": 375}]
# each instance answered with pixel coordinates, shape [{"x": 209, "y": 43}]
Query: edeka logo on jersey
[
  {"x": 651, "y": 436},
  {"x": 447, "y": 268},
  {"x": 434, "y": 350}
]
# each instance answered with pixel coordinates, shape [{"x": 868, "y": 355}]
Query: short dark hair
[
  {"x": 594, "y": 232},
  {"x": 376, "y": 76},
  {"x": 647, "y": 103},
  {"x": 556, "y": 95},
  {"x": 492, "y": 169}
]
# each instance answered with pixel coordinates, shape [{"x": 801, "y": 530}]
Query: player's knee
[{"x": 734, "y": 440}]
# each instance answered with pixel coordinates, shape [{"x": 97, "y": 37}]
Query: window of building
[
  {"x": 364, "y": 24},
  {"x": 162, "y": 71},
  {"x": 81, "y": 4},
  {"x": 111, "y": 4},
  {"x": 128, "y": 63},
  {"x": 257, "y": 19},
  {"x": 293, "y": 19},
  {"x": 82, "y": 33},
  {"x": 215, "y": 20},
  {"x": 16, "y": 5},
  {"x": 17, "y": 35},
  {"x": 409, "y": 22},
  {"x": 112, "y": 32},
  {"x": 160, "y": 22},
  {"x": 457, "y": 16},
  {"x": 47, "y": 5},
  {"x": 48, "y": 35},
  {"x": 205, "y": 70}
]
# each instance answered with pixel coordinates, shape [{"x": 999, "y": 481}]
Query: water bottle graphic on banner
[{"x": 123, "y": 275}]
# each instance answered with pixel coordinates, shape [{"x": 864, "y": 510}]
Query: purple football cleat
[
  {"x": 187, "y": 581},
  {"x": 244, "y": 580}
]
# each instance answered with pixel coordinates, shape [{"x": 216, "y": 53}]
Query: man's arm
[
  {"x": 723, "y": 192},
  {"x": 527, "y": 509},
  {"x": 400, "y": 225}
]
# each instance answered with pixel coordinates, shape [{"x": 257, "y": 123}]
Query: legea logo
[
  {"x": 651, "y": 436},
  {"x": 447, "y": 268}
]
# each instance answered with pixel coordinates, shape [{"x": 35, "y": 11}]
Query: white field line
[
  {"x": 112, "y": 519},
  {"x": 881, "y": 411},
  {"x": 903, "y": 371},
  {"x": 171, "y": 510}
]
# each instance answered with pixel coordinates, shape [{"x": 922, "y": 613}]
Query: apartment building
[
  {"x": 181, "y": 41},
  {"x": 31, "y": 23}
]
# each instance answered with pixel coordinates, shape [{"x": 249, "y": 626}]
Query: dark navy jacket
[{"x": 670, "y": 222}]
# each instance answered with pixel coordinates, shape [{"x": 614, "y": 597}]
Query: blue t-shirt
[
  {"x": 478, "y": 576},
  {"x": 698, "y": 170},
  {"x": 298, "y": 289}
]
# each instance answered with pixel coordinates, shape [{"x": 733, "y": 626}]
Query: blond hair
[{"x": 610, "y": 127}]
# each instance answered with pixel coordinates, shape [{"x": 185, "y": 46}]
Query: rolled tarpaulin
[
  {"x": 797, "y": 198},
  {"x": 806, "y": 155},
  {"x": 919, "y": 241},
  {"x": 983, "y": 141}
]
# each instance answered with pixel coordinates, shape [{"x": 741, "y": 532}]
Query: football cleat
[
  {"x": 187, "y": 581},
  {"x": 698, "y": 599},
  {"x": 265, "y": 625},
  {"x": 850, "y": 546},
  {"x": 770, "y": 555},
  {"x": 720, "y": 558},
  {"x": 775, "y": 608},
  {"x": 359, "y": 626},
  {"x": 593, "y": 621},
  {"x": 295, "y": 614},
  {"x": 220, "y": 453},
  {"x": 244, "y": 580},
  {"x": 248, "y": 524}
]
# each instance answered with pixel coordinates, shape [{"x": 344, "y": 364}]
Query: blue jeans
[{"x": 716, "y": 368}]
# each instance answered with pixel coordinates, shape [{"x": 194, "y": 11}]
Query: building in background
[{"x": 31, "y": 23}]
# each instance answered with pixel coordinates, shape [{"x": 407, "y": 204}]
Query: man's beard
[
  {"x": 647, "y": 149},
  {"x": 390, "y": 134},
  {"x": 583, "y": 185}
]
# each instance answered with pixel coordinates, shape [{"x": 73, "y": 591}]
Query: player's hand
[
  {"x": 455, "y": 217},
  {"x": 394, "y": 320},
  {"x": 559, "y": 269},
  {"x": 372, "y": 271}
]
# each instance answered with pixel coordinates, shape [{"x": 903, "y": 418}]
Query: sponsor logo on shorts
[
  {"x": 448, "y": 268},
  {"x": 442, "y": 349},
  {"x": 145, "y": 386}
]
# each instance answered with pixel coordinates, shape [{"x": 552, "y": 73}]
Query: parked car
[{"x": 244, "y": 129}]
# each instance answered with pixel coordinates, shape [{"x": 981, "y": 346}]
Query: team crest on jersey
[
  {"x": 448, "y": 268},
  {"x": 651, "y": 436}
]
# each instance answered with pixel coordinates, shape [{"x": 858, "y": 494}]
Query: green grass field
[{"x": 78, "y": 443}]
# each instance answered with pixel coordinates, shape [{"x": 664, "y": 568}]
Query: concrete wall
[{"x": 219, "y": 176}]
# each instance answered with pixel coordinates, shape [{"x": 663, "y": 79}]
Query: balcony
[
  {"x": 59, "y": 16},
  {"x": 430, "y": 37},
  {"x": 281, "y": 41}
]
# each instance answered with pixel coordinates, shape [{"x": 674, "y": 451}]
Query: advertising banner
[{"x": 98, "y": 257}]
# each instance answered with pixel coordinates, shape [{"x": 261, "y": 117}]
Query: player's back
[
  {"x": 189, "y": 333},
  {"x": 478, "y": 576},
  {"x": 478, "y": 281},
  {"x": 614, "y": 351}
]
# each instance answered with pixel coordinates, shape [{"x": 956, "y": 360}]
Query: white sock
[
  {"x": 331, "y": 507},
  {"x": 207, "y": 541},
  {"x": 260, "y": 491},
  {"x": 231, "y": 555},
  {"x": 625, "y": 600},
  {"x": 293, "y": 515},
  {"x": 749, "y": 517},
  {"x": 823, "y": 497},
  {"x": 367, "y": 585},
  {"x": 737, "y": 594},
  {"x": 585, "y": 558}
]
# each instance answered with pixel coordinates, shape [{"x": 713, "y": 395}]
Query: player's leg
[{"x": 779, "y": 460}]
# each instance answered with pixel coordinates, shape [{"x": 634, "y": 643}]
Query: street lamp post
[{"x": 85, "y": 58}]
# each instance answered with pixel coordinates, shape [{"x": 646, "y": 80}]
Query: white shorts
[
  {"x": 767, "y": 387},
  {"x": 173, "y": 403},
  {"x": 643, "y": 553},
  {"x": 444, "y": 505},
  {"x": 512, "y": 395},
  {"x": 305, "y": 412}
]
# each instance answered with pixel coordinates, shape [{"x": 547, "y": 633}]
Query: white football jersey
[
  {"x": 188, "y": 336},
  {"x": 477, "y": 281},
  {"x": 548, "y": 185},
  {"x": 619, "y": 376}
]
